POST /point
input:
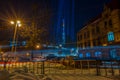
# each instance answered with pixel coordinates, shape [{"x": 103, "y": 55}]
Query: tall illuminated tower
[
  {"x": 63, "y": 32},
  {"x": 64, "y": 29}
]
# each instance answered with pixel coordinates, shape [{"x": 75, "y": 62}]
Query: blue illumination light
[
  {"x": 98, "y": 54},
  {"x": 88, "y": 54},
  {"x": 113, "y": 53},
  {"x": 23, "y": 43},
  {"x": 59, "y": 22},
  {"x": 64, "y": 24},
  {"x": 71, "y": 50},
  {"x": 63, "y": 33},
  {"x": 110, "y": 36},
  {"x": 80, "y": 55},
  {"x": 12, "y": 43}
]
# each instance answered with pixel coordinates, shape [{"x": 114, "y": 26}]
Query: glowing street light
[
  {"x": 12, "y": 22},
  {"x": 38, "y": 46},
  {"x": 17, "y": 24},
  {"x": 27, "y": 54}
]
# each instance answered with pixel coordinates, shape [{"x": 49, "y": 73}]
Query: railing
[{"x": 105, "y": 68}]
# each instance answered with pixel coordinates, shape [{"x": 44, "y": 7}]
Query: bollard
[
  {"x": 97, "y": 68},
  {"x": 42, "y": 68},
  {"x": 88, "y": 66},
  {"x": 33, "y": 66},
  {"x": 37, "y": 67},
  {"x": 74, "y": 67},
  {"x": 43, "y": 65},
  {"x": 105, "y": 69},
  {"x": 112, "y": 68},
  {"x": 81, "y": 67},
  {"x": 118, "y": 66},
  {"x": 49, "y": 66},
  {"x": 55, "y": 66}
]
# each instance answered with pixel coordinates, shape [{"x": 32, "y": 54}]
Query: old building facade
[{"x": 104, "y": 30}]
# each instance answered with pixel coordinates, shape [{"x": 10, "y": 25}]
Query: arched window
[
  {"x": 98, "y": 54},
  {"x": 88, "y": 54},
  {"x": 110, "y": 36},
  {"x": 80, "y": 55},
  {"x": 113, "y": 53}
]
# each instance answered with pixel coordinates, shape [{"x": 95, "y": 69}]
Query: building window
[
  {"x": 80, "y": 55},
  {"x": 117, "y": 36},
  {"x": 88, "y": 34},
  {"x": 85, "y": 35},
  {"x": 78, "y": 38},
  {"x": 88, "y": 43},
  {"x": 81, "y": 37},
  {"x": 106, "y": 15},
  {"x": 85, "y": 44},
  {"x": 97, "y": 29},
  {"x": 99, "y": 42},
  {"x": 94, "y": 43},
  {"x": 110, "y": 36},
  {"x": 88, "y": 54},
  {"x": 105, "y": 25},
  {"x": 93, "y": 31},
  {"x": 110, "y": 23},
  {"x": 98, "y": 54},
  {"x": 113, "y": 53}
]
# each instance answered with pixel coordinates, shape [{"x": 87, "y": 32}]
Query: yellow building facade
[{"x": 104, "y": 30}]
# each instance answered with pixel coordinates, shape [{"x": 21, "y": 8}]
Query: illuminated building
[{"x": 103, "y": 30}]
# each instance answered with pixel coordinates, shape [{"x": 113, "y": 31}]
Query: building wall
[{"x": 104, "y": 30}]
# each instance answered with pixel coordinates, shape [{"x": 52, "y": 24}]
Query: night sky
[
  {"x": 88, "y": 9},
  {"x": 84, "y": 10}
]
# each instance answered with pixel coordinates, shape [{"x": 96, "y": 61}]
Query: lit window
[
  {"x": 98, "y": 54},
  {"x": 110, "y": 23},
  {"x": 23, "y": 43},
  {"x": 110, "y": 36},
  {"x": 88, "y": 54},
  {"x": 80, "y": 55},
  {"x": 113, "y": 53}
]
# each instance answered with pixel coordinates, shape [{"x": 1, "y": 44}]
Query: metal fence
[{"x": 105, "y": 68}]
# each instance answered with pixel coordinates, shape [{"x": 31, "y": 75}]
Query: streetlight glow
[
  {"x": 27, "y": 54},
  {"x": 19, "y": 25},
  {"x": 38, "y": 46},
  {"x": 18, "y": 22},
  {"x": 12, "y": 22}
]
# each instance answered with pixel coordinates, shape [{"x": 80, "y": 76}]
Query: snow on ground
[
  {"x": 77, "y": 77},
  {"x": 58, "y": 71}
]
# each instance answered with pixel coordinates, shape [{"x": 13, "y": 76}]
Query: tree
[
  {"x": 32, "y": 35},
  {"x": 36, "y": 30}
]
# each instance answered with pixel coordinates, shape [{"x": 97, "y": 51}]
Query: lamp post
[
  {"x": 17, "y": 24},
  {"x": 37, "y": 47}
]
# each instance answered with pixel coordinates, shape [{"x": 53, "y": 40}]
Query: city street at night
[{"x": 59, "y": 39}]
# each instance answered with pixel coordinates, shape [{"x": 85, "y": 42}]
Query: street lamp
[
  {"x": 17, "y": 24},
  {"x": 38, "y": 46}
]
